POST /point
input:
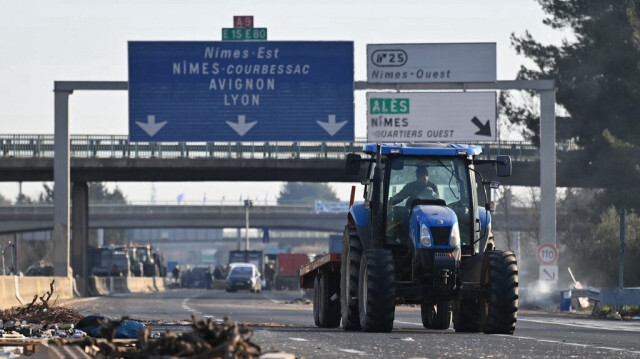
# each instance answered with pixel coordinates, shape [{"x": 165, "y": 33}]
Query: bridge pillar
[
  {"x": 61, "y": 174},
  {"x": 80, "y": 234}
]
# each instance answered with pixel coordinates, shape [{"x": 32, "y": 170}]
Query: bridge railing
[{"x": 119, "y": 146}]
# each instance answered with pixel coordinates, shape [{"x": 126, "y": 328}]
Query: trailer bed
[{"x": 329, "y": 262}]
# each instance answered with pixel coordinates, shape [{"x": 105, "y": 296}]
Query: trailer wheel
[
  {"x": 329, "y": 300},
  {"x": 349, "y": 269},
  {"x": 500, "y": 280},
  {"x": 316, "y": 300},
  {"x": 436, "y": 316},
  {"x": 377, "y": 291}
]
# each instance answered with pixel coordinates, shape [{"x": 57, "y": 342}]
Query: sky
[{"x": 78, "y": 40}]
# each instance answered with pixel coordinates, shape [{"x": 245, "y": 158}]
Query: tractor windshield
[{"x": 426, "y": 178}]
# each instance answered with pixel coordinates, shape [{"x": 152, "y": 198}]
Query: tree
[
  {"x": 588, "y": 251},
  {"x": 305, "y": 193},
  {"x": 598, "y": 85},
  {"x": 597, "y": 76},
  {"x": 98, "y": 192},
  {"x": 47, "y": 195}
]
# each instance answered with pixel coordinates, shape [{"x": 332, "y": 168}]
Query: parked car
[{"x": 243, "y": 276}]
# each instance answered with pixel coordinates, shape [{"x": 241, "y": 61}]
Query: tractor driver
[{"x": 413, "y": 189}]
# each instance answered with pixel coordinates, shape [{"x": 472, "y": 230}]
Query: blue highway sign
[{"x": 241, "y": 91}]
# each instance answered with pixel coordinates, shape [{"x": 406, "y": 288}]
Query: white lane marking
[
  {"x": 571, "y": 344},
  {"x": 299, "y": 339},
  {"x": 592, "y": 324},
  {"x": 186, "y": 307},
  {"x": 352, "y": 351},
  {"x": 410, "y": 323}
]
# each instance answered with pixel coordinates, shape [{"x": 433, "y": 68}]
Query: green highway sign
[
  {"x": 388, "y": 105},
  {"x": 244, "y": 34}
]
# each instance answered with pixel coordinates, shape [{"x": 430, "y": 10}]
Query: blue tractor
[{"x": 426, "y": 241}]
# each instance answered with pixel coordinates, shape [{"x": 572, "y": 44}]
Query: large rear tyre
[
  {"x": 377, "y": 291},
  {"x": 349, "y": 269},
  {"x": 436, "y": 316},
  {"x": 329, "y": 300},
  {"x": 500, "y": 280}
]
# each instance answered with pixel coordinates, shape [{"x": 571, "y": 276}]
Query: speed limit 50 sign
[{"x": 547, "y": 253}]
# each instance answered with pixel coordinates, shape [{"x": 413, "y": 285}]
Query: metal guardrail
[{"x": 119, "y": 146}]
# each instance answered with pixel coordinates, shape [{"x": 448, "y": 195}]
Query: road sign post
[
  {"x": 547, "y": 254},
  {"x": 548, "y": 273}
]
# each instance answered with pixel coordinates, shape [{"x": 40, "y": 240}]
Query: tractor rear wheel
[
  {"x": 500, "y": 280},
  {"x": 349, "y": 271},
  {"x": 328, "y": 300},
  {"x": 436, "y": 316},
  {"x": 377, "y": 291}
]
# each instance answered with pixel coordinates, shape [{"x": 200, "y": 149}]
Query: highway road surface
[{"x": 282, "y": 321}]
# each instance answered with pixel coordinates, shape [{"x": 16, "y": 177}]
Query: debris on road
[
  {"x": 99, "y": 326},
  {"x": 208, "y": 339},
  {"x": 39, "y": 313}
]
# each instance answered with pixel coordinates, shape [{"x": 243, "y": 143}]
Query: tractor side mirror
[
  {"x": 503, "y": 166},
  {"x": 352, "y": 164}
]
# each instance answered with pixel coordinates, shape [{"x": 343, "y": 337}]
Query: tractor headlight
[
  {"x": 425, "y": 237},
  {"x": 455, "y": 236}
]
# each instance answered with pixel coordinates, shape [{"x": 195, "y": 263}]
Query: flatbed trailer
[{"x": 323, "y": 275}]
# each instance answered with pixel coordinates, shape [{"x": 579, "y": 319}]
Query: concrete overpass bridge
[
  {"x": 96, "y": 158},
  {"x": 22, "y": 218}
]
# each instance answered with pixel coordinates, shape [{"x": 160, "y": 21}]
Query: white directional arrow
[
  {"x": 151, "y": 127},
  {"x": 241, "y": 127},
  {"x": 332, "y": 127}
]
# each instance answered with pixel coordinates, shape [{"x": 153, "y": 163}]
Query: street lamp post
[{"x": 247, "y": 204}]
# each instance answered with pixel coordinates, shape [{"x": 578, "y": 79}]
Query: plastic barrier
[
  {"x": 158, "y": 284},
  {"x": 99, "y": 286},
  {"x": 140, "y": 284},
  {"x": 29, "y": 287},
  {"x": 120, "y": 285},
  {"x": 7, "y": 292}
]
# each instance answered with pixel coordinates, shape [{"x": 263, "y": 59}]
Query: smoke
[{"x": 539, "y": 294}]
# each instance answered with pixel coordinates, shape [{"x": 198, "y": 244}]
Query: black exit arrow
[
  {"x": 485, "y": 130},
  {"x": 551, "y": 276}
]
